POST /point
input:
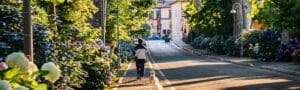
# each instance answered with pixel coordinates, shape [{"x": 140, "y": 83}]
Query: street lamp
[
  {"x": 232, "y": 11},
  {"x": 238, "y": 33}
]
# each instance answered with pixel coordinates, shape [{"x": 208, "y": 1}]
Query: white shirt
[{"x": 141, "y": 53}]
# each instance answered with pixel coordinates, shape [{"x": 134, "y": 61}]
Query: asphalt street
[{"x": 181, "y": 70}]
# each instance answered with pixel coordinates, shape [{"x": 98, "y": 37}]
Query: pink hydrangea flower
[{"x": 3, "y": 66}]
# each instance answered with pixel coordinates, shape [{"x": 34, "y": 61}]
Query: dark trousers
[{"x": 140, "y": 63}]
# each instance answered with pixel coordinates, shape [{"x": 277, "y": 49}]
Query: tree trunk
[
  {"x": 103, "y": 19},
  {"x": 285, "y": 36},
  {"x": 28, "y": 37}
]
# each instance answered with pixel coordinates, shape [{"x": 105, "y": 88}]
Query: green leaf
[
  {"x": 14, "y": 84},
  {"x": 40, "y": 72},
  {"x": 11, "y": 73},
  {"x": 43, "y": 72},
  {"x": 34, "y": 83},
  {"x": 2, "y": 72},
  {"x": 40, "y": 87}
]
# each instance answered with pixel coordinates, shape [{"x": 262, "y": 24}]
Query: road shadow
[
  {"x": 131, "y": 85},
  {"x": 129, "y": 81},
  {"x": 197, "y": 81},
  {"x": 266, "y": 86},
  {"x": 213, "y": 73},
  {"x": 133, "y": 73}
]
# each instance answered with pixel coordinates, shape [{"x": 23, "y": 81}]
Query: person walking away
[{"x": 140, "y": 58}]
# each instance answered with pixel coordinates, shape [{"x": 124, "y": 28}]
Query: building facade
[
  {"x": 178, "y": 21},
  {"x": 160, "y": 19},
  {"x": 166, "y": 18}
]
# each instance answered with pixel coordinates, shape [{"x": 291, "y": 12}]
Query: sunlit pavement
[
  {"x": 129, "y": 81},
  {"x": 185, "y": 71}
]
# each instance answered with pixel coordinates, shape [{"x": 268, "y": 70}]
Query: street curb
[{"x": 290, "y": 72}]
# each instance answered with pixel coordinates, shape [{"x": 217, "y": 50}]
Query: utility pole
[
  {"x": 103, "y": 19},
  {"x": 28, "y": 41}
]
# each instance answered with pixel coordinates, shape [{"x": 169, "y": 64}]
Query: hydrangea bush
[
  {"x": 11, "y": 35},
  {"x": 232, "y": 46},
  {"x": 197, "y": 41},
  {"x": 262, "y": 44},
  {"x": 70, "y": 47},
  {"x": 11, "y": 38},
  {"x": 289, "y": 51},
  {"x": 217, "y": 45},
  {"x": 205, "y": 43}
]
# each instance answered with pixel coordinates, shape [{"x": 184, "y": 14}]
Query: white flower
[
  {"x": 54, "y": 72},
  {"x": 32, "y": 68},
  {"x": 18, "y": 60},
  {"x": 21, "y": 88},
  {"x": 5, "y": 85}
]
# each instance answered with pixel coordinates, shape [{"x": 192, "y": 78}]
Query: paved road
[{"x": 185, "y": 71}]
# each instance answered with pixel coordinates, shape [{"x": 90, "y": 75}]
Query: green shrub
[
  {"x": 191, "y": 36},
  {"x": 114, "y": 59},
  {"x": 197, "y": 41},
  {"x": 216, "y": 45},
  {"x": 97, "y": 75},
  {"x": 252, "y": 50},
  {"x": 261, "y": 44},
  {"x": 251, "y": 41},
  {"x": 232, "y": 47},
  {"x": 205, "y": 43}
]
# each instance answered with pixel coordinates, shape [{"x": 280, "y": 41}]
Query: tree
[
  {"x": 132, "y": 14},
  {"x": 211, "y": 18},
  {"x": 278, "y": 14}
]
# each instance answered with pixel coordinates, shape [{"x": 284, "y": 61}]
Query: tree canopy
[
  {"x": 278, "y": 14},
  {"x": 211, "y": 18}
]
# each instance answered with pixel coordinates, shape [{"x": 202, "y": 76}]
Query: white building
[
  {"x": 177, "y": 19},
  {"x": 166, "y": 18}
]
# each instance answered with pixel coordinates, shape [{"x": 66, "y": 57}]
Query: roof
[
  {"x": 167, "y": 3},
  {"x": 178, "y": 1}
]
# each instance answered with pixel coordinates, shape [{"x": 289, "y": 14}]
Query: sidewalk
[
  {"x": 283, "y": 67},
  {"x": 129, "y": 82}
]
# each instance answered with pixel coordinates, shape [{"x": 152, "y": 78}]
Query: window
[
  {"x": 164, "y": 31},
  {"x": 171, "y": 25},
  {"x": 158, "y": 14},
  {"x": 151, "y": 15},
  {"x": 161, "y": 1},
  {"x": 170, "y": 13},
  {"x": 175, "y": 13}
]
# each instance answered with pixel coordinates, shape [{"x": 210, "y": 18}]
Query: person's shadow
[{"x": 130, "y": 81}]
